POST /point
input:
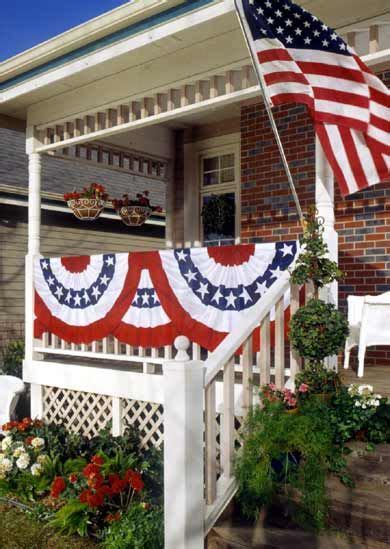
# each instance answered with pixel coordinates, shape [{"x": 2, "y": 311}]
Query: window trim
[{"x": 218, "y": 147}]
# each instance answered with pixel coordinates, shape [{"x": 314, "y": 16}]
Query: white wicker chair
[
  {"x": 369, "y": 324},
  {"x": 10, "y": 390}
]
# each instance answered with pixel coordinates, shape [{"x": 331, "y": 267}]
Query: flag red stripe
[
  {"x": 283, "y": 98},
  {"x": 337, "y": 96},
  {"x": 379, "y": 97},
  {"x": 275, "y": 54},
  {"x": 285, "y": 76},
  {"x": 337, "y": 119},
  {"x": 333, "y": 71},
  {"x": 380, "y": 123}
]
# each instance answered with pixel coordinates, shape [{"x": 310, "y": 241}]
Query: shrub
[
  {"x": 140, "y": 528},
  {"x": 12, "y": 359},
  {"x": 286, "y": 455}
]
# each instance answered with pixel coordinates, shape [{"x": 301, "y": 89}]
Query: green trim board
[{"x": 152, "y": 21}]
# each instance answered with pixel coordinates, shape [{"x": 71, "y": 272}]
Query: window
[{"x": 219, "y": 190}]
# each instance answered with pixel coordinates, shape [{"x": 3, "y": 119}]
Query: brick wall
[{"x": 268, "y": 212}]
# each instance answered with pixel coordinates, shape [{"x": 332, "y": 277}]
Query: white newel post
[
  {"x": 183, "y": 451},
  {"x": 325, "y": 206},
  {"x": 34, "y": 229}
]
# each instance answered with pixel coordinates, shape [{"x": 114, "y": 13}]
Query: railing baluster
[
  {"x": 279, "y": 343},
  {"x": 227, "y": 424},
  {"x": 211, "y": 444},
  {"x": 104, "y": 345},
  {"x": 265, "y": 351},
  {"x": 45, "y": 339},
  {"x": 195, "y": 351},
  {"x": 168, "y": 352},
  {"x": 116, "y": 346},
  {"x": 247, "y": 375},
  {"x": 295, "y": 362},
  {"x": 94, "y": 347}
]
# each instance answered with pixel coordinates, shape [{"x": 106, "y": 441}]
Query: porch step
[
  {"x": 364, "y": 510},
  {"x": 225, "y": 536},
  {"x": 361, "y": 515}
]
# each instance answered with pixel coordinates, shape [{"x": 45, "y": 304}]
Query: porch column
[
  {"x": 34, "y": 203},
  {"x": 34, "y": 229},
  {"x": 325, "y": 205}
]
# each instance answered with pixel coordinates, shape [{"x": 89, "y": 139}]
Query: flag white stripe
[
  {"x": 289, "y": 87},
  {"x": 379, "y": 135},
  {"x": 316, "y": 56},
  {"x": 338, "y": 84},
  {"x": 380, "y": 111},
  {"x": 332, "y": 107},
  {"x": 280, "y": 66}
]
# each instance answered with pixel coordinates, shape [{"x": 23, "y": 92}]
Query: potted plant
[
  {"x": 217, "y": 211},
  {"x": 134, "y": 212},
  {"x": 318, "y": 329},
  {"x": 87, "y": 204}
]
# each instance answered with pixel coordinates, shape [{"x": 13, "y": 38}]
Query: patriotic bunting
[{"x": 148, "y": 298}]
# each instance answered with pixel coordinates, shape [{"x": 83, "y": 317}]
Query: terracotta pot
[
  {"x": 134, "y": 216},
  {"x": 86, "y": 209},
  {"x": 292, "y": 411},
  {"x": 325, "y": 398}
]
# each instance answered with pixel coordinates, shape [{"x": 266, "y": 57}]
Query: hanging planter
[
  {"x": 134, "y": 212},
  {"x": 134, "y": 216},
  {"x": 88, "y": 204}
]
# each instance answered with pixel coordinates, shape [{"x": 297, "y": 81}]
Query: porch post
[
  {"x": 34, "y": 230},
  {"x": 325, "y": 205},
  {"x": 183, "y": 451}
]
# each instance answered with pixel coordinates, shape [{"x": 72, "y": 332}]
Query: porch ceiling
[{"x": 96, "y": 77}]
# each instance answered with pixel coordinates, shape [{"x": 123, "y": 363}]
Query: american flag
[{"x": 304, "y": 61}]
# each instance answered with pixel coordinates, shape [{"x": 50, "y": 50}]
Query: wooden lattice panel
[
  {"x": 147, "y": 418},
  {"x": 84, "y": 413}
]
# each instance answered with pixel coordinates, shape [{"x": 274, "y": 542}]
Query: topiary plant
[
  {"x": 312, "y": 264},
  {"x": 318, "y": 330}
]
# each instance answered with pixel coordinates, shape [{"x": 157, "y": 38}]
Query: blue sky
[{"x": 25, "y": 23}]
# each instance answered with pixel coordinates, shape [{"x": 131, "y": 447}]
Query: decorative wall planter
[
  {"x": 134, "y": 216},
  {"x": 86, "y": 209}
]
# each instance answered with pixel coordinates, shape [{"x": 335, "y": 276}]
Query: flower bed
[{"x": 83, "y": 486}]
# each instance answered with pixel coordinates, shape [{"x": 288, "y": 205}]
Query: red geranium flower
[
  {"x": 95, "y": 480},
  {"x": 113, "y": 517},
  {"x": 57, "y": 487},
  {"x": 134, "y": 479},
  {"x": 95, "y": 499},
  {"x": 73, "y": 478},
  {"x": 90, "y": 470},
  {"x": 97, "y": 460},
  {"x": 28, "y": 440},
  {"x": 117, "y": 484}
]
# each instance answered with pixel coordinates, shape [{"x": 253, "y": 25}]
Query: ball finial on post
[{"x": 181, "y": 344}]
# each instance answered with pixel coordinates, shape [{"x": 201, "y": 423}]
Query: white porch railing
[{"x": 194, "y": 404}]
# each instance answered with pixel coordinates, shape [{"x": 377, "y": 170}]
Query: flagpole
[{"x": 268, "y": 107}]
